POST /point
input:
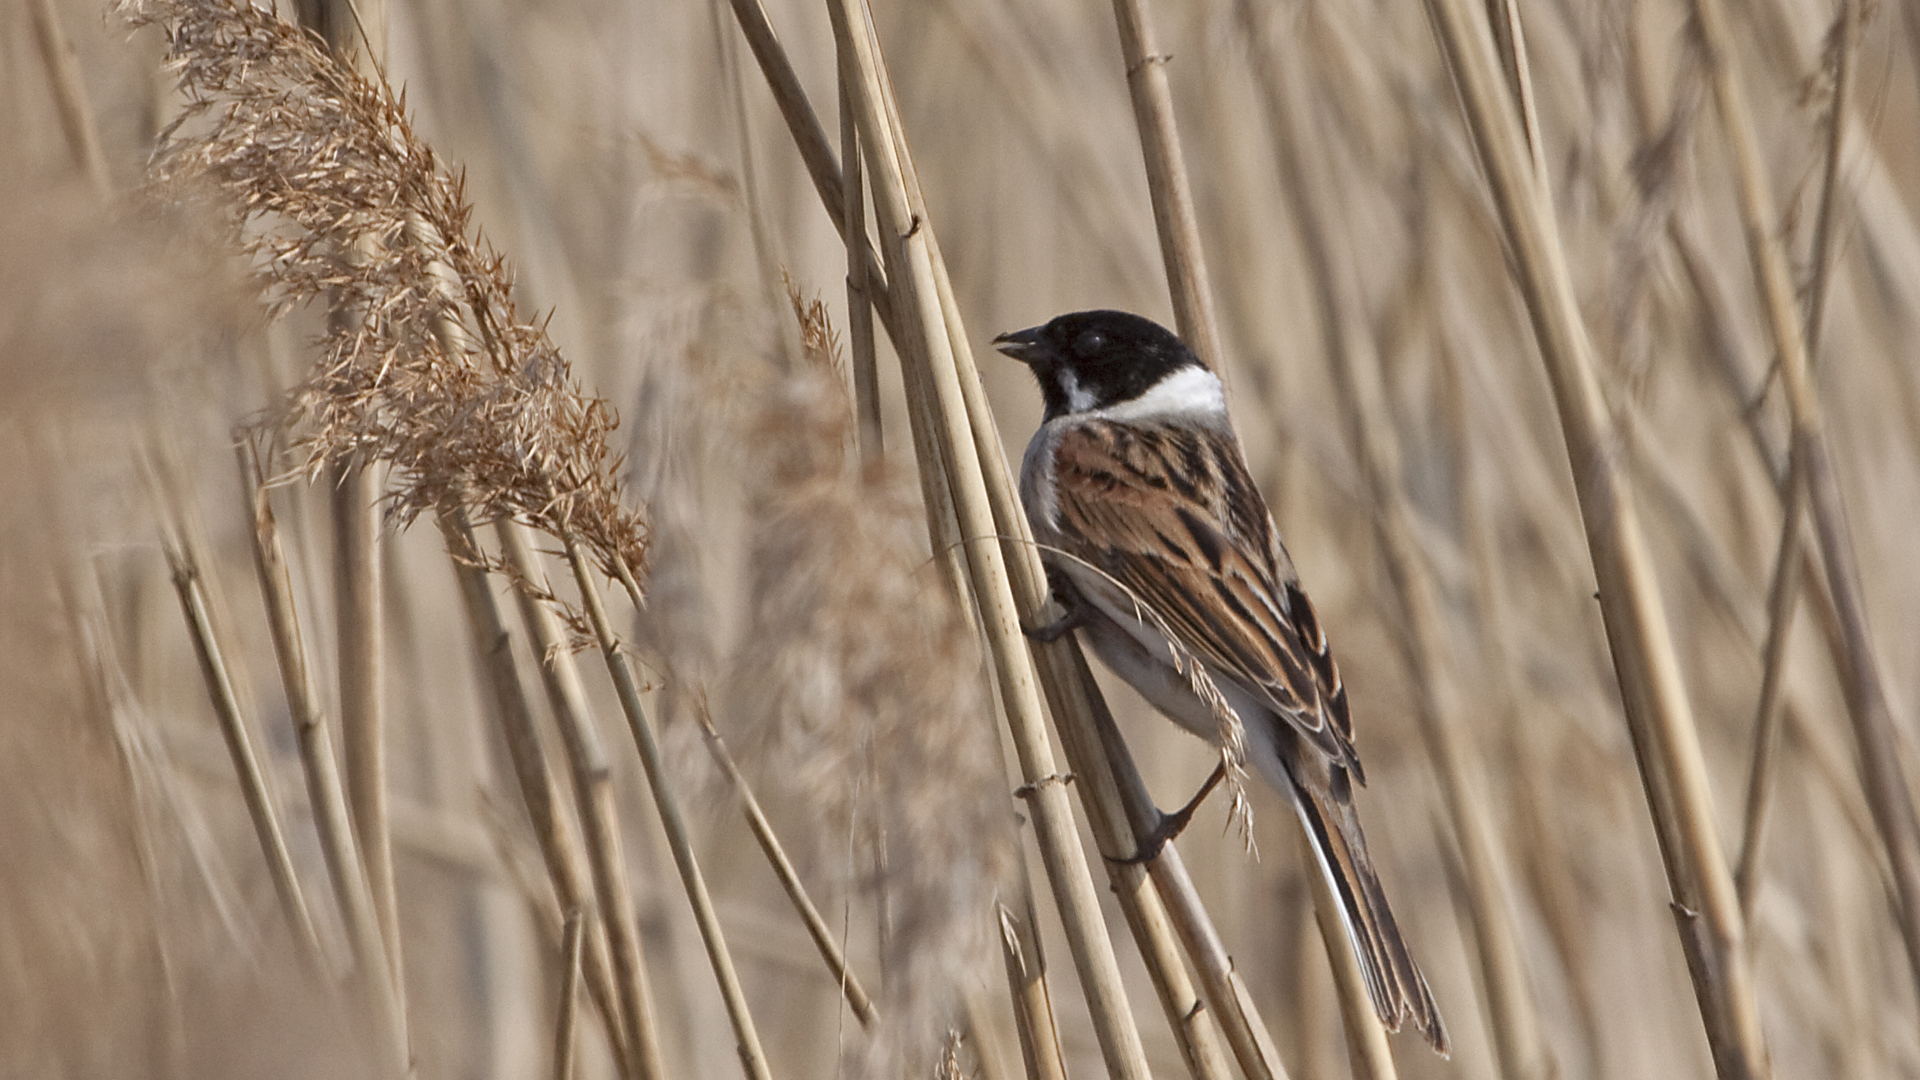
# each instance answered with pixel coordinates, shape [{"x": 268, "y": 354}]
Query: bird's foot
[
  {"x": 1078, "y": 611},
  {"x": 1049, "y": 633},
  {"x": 1172, "y": 825}
]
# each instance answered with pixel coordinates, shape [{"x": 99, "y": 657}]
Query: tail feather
[{"x": 1394, "y": 981}]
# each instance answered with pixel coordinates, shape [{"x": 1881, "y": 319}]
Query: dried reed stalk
[
  {"x": 1666, "y": 743},
  {"x": 816, "y": 152},
  {"x": 853, "y": 235},
  {"x": 1783, "y": 597},
  {"x": 1743, "y": 382},
  {"x": 1784, "y": 593},
  {"x": 930, "y": 349},
  {"x": 571, "y": 940},
  {"x": 1886, "y": 785},
  {"x": 811, "y": 140},
  {"x": 753, "y": 1058},
  {"x": 1173, "y": 216},
  {"x": 184, "y": 563},
  {"x": 553, "y": 828},
  {"x": 594, "y": 800},
  {"x": 836, "y": 960},
  {"x": 362, "y": 666},
  {"x": 1421, "y": 628},
  {"x": 359, "y": 626},
  {"x": 326, "y": 793},
  {"x": 1027, "y": 983}
]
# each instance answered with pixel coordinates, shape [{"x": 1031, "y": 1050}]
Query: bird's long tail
[{"x": 1393, "y": 980}]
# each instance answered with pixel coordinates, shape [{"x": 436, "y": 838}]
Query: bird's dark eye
[{"x": 1090, "y": 343}]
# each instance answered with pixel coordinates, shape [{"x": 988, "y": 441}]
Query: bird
[{"x": 1159, "y": 547}]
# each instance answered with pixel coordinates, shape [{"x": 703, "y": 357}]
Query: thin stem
[
  {"x": 1666, "y": 742},
  {"x": 1784, "y": 594},
  {"x": 766, "y": 255},
  {"x": 860, "y": 343},
  {"x": 753, "y": 1059},
  {"x": 184, "y": 564},
  {"x": 811, "y": 140},
  {"x": 326, "y": 793},
  {"x": 356, "y": 569},
  {"x": 783, "y": 868},
  {"x": 1782, "y": 600},
  {"x": 1173, "y": 215},
  {"x": 1367, "y": 1050},
  {"x": 1886, "y": 784},
  {"x": 571, "y": 941},
  {"x": 594, "y": 800},
  {"x": 553, "y": 828},
  {"x": 1503, "y": 18},
  {"x": 1027, "y": 983}
]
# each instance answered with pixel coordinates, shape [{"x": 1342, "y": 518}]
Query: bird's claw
[
  {"x": 1051, "y": 632},
  {"x": 1171, "y": 825}
]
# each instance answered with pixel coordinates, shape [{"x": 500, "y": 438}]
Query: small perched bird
[{"x": 1151, "y": 528}]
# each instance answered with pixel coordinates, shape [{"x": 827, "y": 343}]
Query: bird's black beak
[{"x": 1027, "y": 346}]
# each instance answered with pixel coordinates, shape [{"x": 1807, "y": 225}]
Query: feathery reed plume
[
  {"x": 320, "y": 175},
  {"x": 872, "y": 700}
]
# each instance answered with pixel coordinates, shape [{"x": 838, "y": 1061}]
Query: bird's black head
[{"x": 1095, "y": 359}]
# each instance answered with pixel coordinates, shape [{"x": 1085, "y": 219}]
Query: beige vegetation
[{"x": 646, "y": 726}]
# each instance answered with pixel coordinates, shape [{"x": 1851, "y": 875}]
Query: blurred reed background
[{"x": 1384, "y": 302}]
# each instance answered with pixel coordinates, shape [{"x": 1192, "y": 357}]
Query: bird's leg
[
  {"x": 1171, "y": 825},
  {"x": 1078, "y": 610}
]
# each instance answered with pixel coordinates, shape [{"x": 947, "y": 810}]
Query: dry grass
[{"x": 627, "y": 386}]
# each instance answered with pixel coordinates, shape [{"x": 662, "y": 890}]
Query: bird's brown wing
[{"x": 1171, "y": 514}]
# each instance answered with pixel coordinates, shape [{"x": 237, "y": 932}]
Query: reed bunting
[{"x": 1151, "y": 529}]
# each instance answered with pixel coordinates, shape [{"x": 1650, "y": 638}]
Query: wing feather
[{"x": 1170, "y": 512}]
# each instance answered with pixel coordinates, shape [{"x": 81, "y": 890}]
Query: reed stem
[
  {"x": 594, "y": 800},
  {"x": 1659, "y": 717},
  {"x": 571, "y": 941},
  {"x": 184, "y": 563},
  {"x": 1421, "y": 628},
  {"x": 783, "y": 868},
  {"x": 753, "y": 1058},
  {"x": 1886, "y": 785},
  {"x": 1173, "y": 215},
  {"x": 326, "y": 793},
  {"x": 932, "y": 350},
  {"x": 553, "y": 828},
  {"x": 356, "y": 568}
]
